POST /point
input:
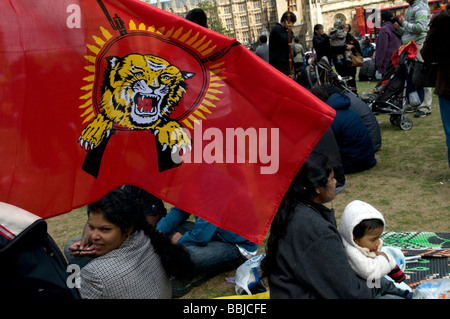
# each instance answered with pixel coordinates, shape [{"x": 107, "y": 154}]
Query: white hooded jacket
[{"x": 366, "y": 264}]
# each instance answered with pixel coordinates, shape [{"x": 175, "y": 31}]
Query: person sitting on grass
[
  {"x": 213, "y": 250},
  {"x": 361, "y": 227},
  {"x": 352, "y": 135},
  {"x": 305, "y": 257},
  {"x": 151, "y": 207},
  {"x": 132, "y": 259}
]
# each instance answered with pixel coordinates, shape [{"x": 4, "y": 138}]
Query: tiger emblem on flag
[{"x": 139, "y": 92}]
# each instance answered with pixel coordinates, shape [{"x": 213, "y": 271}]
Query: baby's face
[{"x": 371, "y": 239}]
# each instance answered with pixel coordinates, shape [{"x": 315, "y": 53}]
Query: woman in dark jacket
[
  {"x": 321, "y": 43},
  {"x": 387, "y": 42},
  {"x": 348, "y": 70},
  {"x": 305, "y": 257},
  {"x": 437, "y": 49}
]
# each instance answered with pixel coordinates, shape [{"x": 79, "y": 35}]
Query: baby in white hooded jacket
[{"x": 361, "y": 226}]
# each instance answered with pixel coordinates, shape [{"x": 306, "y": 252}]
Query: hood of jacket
[
  {"x": 339, "y": 101},
  {"x": 388, "y": 25},
  {"x": 353, "y": 214},
  {"x": 419, "y": 2}
]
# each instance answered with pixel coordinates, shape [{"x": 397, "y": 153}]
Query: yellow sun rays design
[{"x": 194, "y": 41}]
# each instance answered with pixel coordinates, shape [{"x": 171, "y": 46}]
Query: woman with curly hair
[{"x": 132, "y": 259}]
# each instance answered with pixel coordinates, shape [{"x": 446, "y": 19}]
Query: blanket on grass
[{"x": 427, "y": 254}]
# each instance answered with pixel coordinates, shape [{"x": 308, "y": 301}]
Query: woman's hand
[
  {"x": 176, "y": 237},
  {"x": 78, "y": 249}
]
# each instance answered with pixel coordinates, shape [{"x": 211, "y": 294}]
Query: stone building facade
[{"x": 248, "y": 19}]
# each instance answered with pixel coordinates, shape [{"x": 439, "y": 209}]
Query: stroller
[
  {"x": 397, "y": 91},
  {"x": 321, "y": 73},
  {"x": 31, "y": 264}
]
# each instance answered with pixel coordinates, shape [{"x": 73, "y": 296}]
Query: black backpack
[{"x": 31, "y": 264}]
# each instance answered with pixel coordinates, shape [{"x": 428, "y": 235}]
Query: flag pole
[{"x": 289, "y": 37}]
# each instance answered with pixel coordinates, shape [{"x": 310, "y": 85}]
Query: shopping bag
[
  {"x": 424, "y": 74},
  {"x": 357, "y": 60}
]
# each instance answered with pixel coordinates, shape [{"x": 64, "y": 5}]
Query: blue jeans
[
  {"x": 214, "y": 258},
  {"x": 210, "y": 260},
  {"x": 444, "y": 105},
  {"x": 390, "y": 291}
]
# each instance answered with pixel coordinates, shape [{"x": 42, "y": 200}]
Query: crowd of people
[
  {"x": 304, "y": 234},
  {"x": 168, "y": 253},
  {"x": 131, "y": 247},
  {"x": 338, "y": 44}
]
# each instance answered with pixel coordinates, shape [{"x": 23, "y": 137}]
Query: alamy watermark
[
  {"x": 234, "y": 145},
  {"x": 74, "y": 279},
  {"x": 373, "y": 19},
  {"x": 373, "y": 281}
]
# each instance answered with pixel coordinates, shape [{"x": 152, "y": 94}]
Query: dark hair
[
  {"x": 292, "y": 17},
  {"x": 331, "y": 89},
  {"x": 395, "y": 19},
  {"x": 318, "y": 26},
  {"x": 117, "y": 208},
  {"x": 314, "y": 173},
  {"x": 320, "y": 92},
  {"x": 301, "y": 77},
  {"x": 365, "y": 225},
  {"x": 198, "y": 16},
  {"x": 149, "y": 204},
  {"x": 263, "y": 38},
  {"x": 386, "y": 15},
  {"x": 122, "y": 209}
]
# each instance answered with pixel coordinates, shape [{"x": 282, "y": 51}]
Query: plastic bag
[
  {"x": 248, "y": 277},
  {"x": 433, "y": 289},
  {"x": 400, "y": 260},
  {"x": 397, "y": 254},
  {"x": 414, "y": 99}
]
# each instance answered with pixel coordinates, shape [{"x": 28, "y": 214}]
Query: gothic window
[
  {"x": 258, "y": 18},
  {"x": 243, "y": 21}
]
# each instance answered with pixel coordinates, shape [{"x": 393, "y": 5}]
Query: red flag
[
  {"x": 97, "y": 94},
  {"x": 361, "y": 20},
  {"x": 360, "y": 16}
]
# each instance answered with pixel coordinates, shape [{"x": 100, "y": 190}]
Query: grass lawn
[{"x": 410, "y": 185}]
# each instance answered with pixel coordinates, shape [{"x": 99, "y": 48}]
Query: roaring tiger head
[{"x": 140, "y": 90}]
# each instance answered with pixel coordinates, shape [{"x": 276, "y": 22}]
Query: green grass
[{"x": 410, "y": 185}]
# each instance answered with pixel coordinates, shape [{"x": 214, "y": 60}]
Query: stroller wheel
[
  {"x": 406, "y": 124},
  {"x": 395, "y": 119}
]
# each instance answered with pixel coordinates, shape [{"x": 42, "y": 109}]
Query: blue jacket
[
  {"x": 203, "y": 232},
  {"x": 352, "y": 136}
]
